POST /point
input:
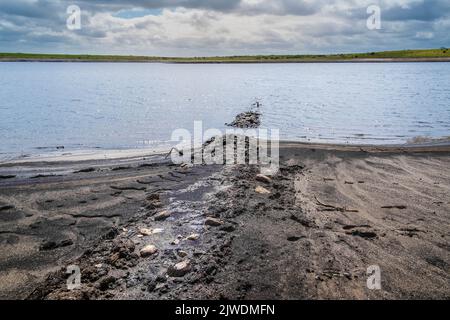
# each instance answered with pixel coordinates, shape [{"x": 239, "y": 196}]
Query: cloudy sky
[{"x": 221, "y": 27}]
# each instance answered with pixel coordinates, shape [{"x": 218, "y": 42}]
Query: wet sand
[{"x": 310, "y": 232}]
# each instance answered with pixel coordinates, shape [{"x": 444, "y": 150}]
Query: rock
[
  {"x": 175, "y": 242},
  {"x": 157, "y": 230},
  {"x": 106, "y": 283},
  {"x": 48, "y": 245},
  {"x": 193, "y": 237},
  {"x": 163, "y": 215},
  {"x": 261, "y": 190},
  {"x": 213, "y": 222},
  {"x": 180, "y": 269},
  {"x": 145, "y": 231},
  {"x": 182, "y": 253},
  {"x": 198, "y": 253},
  {"x": 148, "y": 250},
  {"x": 263, "y": 178}
]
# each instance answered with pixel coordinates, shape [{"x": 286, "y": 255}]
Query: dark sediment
[{"x": 231, "y": 233}]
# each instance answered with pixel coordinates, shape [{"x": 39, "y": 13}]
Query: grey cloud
[{"x": 314, "y": 26}]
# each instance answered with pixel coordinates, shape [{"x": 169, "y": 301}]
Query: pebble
[
  {"x": 157, "y": 230},
  {"x": 263, "y": 178},
  {"x": 148, "y": 250},
  {"x": 180, "y": 269},
  {"x": 213, "y": 222},
  {"x": 261, "y": 190},
  {"x": 182, "y": 253},
  {"x": 163, "y": 215},
  {"x": 145, "y": 231},
  {"x": 193, "y": 237},
  {"x": 175, "y": 242}
]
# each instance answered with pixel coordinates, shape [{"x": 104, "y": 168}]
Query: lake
[{"x": 84, "y": 106}]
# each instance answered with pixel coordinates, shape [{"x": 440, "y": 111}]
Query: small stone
[
  {"x": 145, "y": 231},
  {"x": 262, "y": 190},
  {"x": 163, "y": 215},
  {"x": 263, "y": 178},
  {"x": 199, "y": 253},
  {"x": 175, "y": 242},
  {"x": 180, "y": 269},
  {"x": 157, "y": 230},
  {"x": 193, "y": 237},
  {"x": 213, "y": 222},
  {"x": 182, "y": 253},
  {"x": 148, "y": 250},
  {"x": 98, "y": 265}
]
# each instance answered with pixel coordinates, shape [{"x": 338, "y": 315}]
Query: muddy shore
[{"x": 144, "y": 228}]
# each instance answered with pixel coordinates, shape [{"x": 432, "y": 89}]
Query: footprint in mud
[
  {"x": 9, "y": 213},
  {"x": 9, "y": 176},
  {"x": 363, "y": 234},
  {"x": 350, "y": 226},
  {"x": 411, "y": 232},
  {"x": 85, "y": 170},
  {"x": 120, "y": 168},
  {"x": 294, "y": 238},
  {"x": 400, "y": 207},
  {"x": 6, "y": 207},
  {"x": 51, "y": 245},
  {"x": 124, "y": 188}
]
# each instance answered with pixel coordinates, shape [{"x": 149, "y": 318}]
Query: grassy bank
[{"x": 428, "y": 54}]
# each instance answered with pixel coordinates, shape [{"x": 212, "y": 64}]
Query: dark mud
[{"x": 228, "y": 232}]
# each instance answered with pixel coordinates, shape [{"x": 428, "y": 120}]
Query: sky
[{"x": 222, "y": 27}]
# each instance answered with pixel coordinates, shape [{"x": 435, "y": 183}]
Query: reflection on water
[{"x": 106, "y": 105}]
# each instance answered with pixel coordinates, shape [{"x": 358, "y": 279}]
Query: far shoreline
[
  {"x": 419, "y": 55},
  {"x": 300, "y": 61}
]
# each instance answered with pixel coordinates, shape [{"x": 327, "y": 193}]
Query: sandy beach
[{"x": 140, "y": 227}]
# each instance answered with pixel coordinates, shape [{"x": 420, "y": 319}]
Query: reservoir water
[{"x": 84, "y": 106}]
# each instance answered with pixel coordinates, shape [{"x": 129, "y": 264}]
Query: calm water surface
[{"x": 134, "y": 105}]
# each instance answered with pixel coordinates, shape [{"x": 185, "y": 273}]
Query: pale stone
[
  {"x": 163, "y": 215},
  {"x": 148, "y": 250},
  {"x": 180, "y": 269},
  {"x": 193, "y": 237},
  {"x": 262, "y": 190},
  {"x": 213, "y": 222},
  {"x": 263, "y": 178}
]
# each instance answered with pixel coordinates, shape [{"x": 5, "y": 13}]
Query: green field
[{"x": 403, "y": 54}]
